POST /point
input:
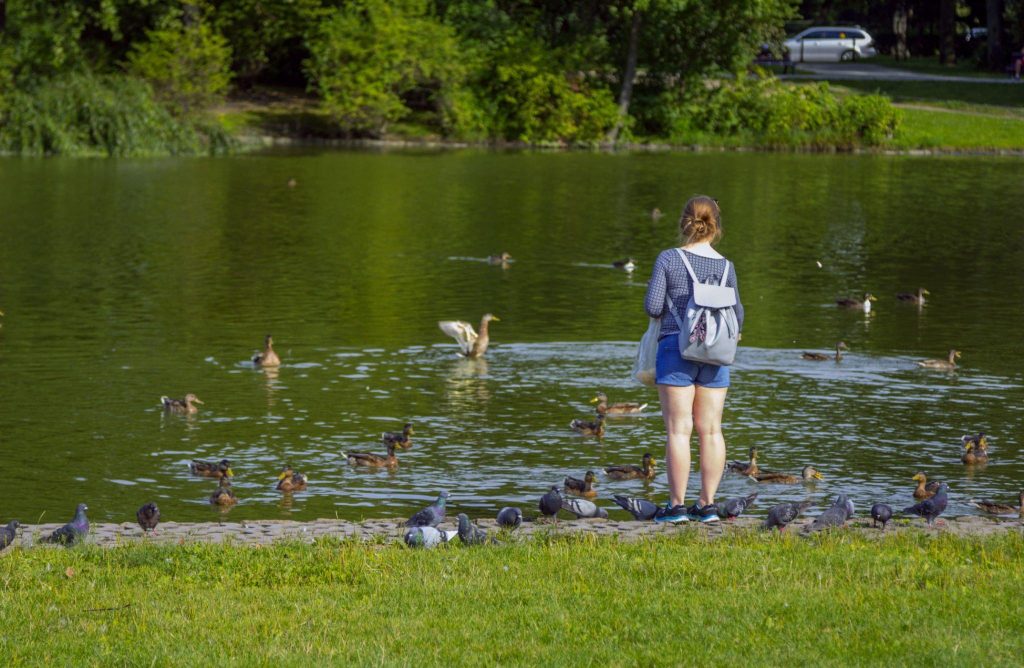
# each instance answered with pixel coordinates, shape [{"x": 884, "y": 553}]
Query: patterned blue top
[{"x": 670, "y": 274}]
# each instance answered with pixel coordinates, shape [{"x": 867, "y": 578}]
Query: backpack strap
[
  {"x": 693, "y": 276},
  {"x": 725, "y": 274}
]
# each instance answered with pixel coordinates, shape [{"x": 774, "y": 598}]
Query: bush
[{"x": 188, "y": 66}]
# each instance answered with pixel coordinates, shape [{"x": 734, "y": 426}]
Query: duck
[
  {"x": 471, "y": 344},
  {"x": 850, "y": 303},
  {"x": 808, "y": 474},
  {"x": 502, "y": 259},
  {"x": 589, "y": 427},
  {"x": 622, "y": 408},
  {"x": 656, "y": 213},
  {"x": 822, "y": 357},
  {"x": 924, "y": 489},
  {"x": 377, "y": 461},
  {"x": 224, "y": 495},
  {"x": 290, "y": 481},
  {"x": 221, "y": 469},
  {"x": 584, "y": 488},
  {"x": 148, "y": 515},
  {"x": 947, "y": 364},
  {"x": 912, "y": 298},
  {"x": 632, "y": 471},
  {"x": 627, "y": 265},
  {"x": 181, "y": 406},
  {"x": 994, "y": 508},
  {"x": 268, "y": 357},
  {"x": 400, "y": 439},
  {"x": 746, "y": 468},
  {"x": 975, "y": 449}
]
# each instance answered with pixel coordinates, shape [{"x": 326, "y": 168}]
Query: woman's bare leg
[
  {"x": 708, "y": 403},
  {"x": 677, "y": 409}
]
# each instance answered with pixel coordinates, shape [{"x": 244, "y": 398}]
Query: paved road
[{"x": 861, "y": 71}]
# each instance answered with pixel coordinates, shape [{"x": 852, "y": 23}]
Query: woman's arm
[
  {"x": 654, "y": 302},
  {"x": 739, "y": 305}
]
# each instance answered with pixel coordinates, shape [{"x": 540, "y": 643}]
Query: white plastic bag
[{"x": 647, "y": 354}]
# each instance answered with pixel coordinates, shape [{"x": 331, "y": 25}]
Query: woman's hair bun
[{"x": 701, "y": 220}]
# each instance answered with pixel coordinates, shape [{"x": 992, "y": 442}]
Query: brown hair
[{"x": 701, "y": 221}]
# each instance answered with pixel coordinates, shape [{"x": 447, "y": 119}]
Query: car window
[
  {"x": 856, "y": 34},
  {"x": 814, "y": 34}
]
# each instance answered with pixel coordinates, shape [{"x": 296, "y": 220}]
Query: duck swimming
[
  {"x": 975, "y": 449},
  {"x": 224, "y": 495},
  {"x": 290, "y": 481},
  {"x": 181, "y": 406},
  {"x": 369, "y": 459},
  {"x": 822, "y": 357},
  {"x": 746, "y": 468},
  {"x": 924, "y": 489},
  {"x": 994, "y": 508},
  {"x": 589, "y": 427},
  {"x": 627, "y": 265},
  {"x": 622, "y": 408},
  {"x": 471, "y": 344},
  {"x": 808, "y": 474},
  {"x": 401, "y": 439},
  {"x": 268, "y": 357},
  {"x": 912, "y": 298},
  {"x": 584, "y": 488},
  {"x": 850, "y": 303},
  {"x": 502, "y": 259},
  {"x": 632, "y": 471},
  {"x": 221, "y": 469},
  {"x": 947, "y": 364}
]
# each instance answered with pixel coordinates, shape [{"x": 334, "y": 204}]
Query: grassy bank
[{"x": 748, "y": 598}]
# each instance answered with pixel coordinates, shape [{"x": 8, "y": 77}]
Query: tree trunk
[
  {"x": 3, "y": 15},
  {"x": 626, "y": 94},
  {"x": 994, "y": 23},
  {"x": 899, "y": 29},
  {"x": 947, "y": 32}
]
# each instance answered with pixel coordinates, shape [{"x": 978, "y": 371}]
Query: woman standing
[{"x": 692, "y": 394}]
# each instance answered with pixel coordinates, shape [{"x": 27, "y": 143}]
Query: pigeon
[
  {"x": 510, "y": 518},
  {"x": 784, "y": 513},
  {"x": 551, "y": 502},
  {"x": 640, "y": 509},
  {"x": 733, "y": 508},
  {"x": 582, "y": 508},
  {"x": 931, "y": 508},
  {"x": 426, "y": 536},
  {"x": 430, "y": 516},
  {"x": 835, "y": 516},
  {"x": 74, "y": 531},
  {"x": 469, "y": 533},
  {"x": 880, "y": 512},
  {"x": 8, "y": 533},
  {"x": 148, "y": 516}
]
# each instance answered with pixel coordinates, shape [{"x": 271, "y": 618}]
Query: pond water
[{"x": 125, "y": 280}]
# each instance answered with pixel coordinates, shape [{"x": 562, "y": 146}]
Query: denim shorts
[{"x": 671, "y": 369}]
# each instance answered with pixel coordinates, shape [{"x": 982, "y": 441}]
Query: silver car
[{"x": 830, "y": 44}]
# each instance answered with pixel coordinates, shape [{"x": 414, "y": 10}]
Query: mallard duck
[
  {"x": 622, "y": 408},
  {"x": 631, "y": 471},
  {"x": 400, "y": 439},
  {"x": 471, "y": 344},
  {"x": 912, "y": 298},
  {"x": 808, "y": 474},
  {"x": 290, "y": 481},
  {"x": 369, "y": 459},
  {"x": 627, "y": 265},
  {"x": 821, "y": 357},
  {"x": 502, "y": 259},
  {"x": 268, "y": 357},
  {"x": 850, "y": 303},
  {"x": 589, "y": 427},
  {"x": 746, "y": 468},
  {"x": 656, "y": 213},
  {"x": 221, "y": 469},
  {"x": 584, "y": 488},
  {"x": 181, "y": 406},
  {"x": 148, "y": 515},
  {"x": 1001, "y": 508},
  {"x": 975, "y": 449},
  {"x": 924, "y": 489},
  {"x": 880, "y": 512},
  {"x": 947, "y": 364},
  {"x": 224, "y": 495},
  {"x": 931, "y": 508}
]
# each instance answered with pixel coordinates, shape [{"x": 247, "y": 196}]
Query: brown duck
[
  {"x": 589, "y": 427},
  {"x": 224, "y": 495},
  {"x": 924, "y": 489},
  {"x": 584, "y": 488},
  {"x": 268, "y": 357},
  {"x": 401, "y": 439},
  {"x": 221, "y": 469},
  {"x": 632, "y": 471},
  {"x": 975, "y": 449},
  {"x": 822, "y": 357},
  {"x": 471, "y": 344},
  {"x": 913, "y": 298},
  {"x": 369, "y": 459},
  {"x": 808, "y": 474},
  {"x": 184, "y": 406},
  {"x": 622, "y": 408},
  {"x": 290, "y": 481},
  {"x": 746, "y": 468},
  {"x": 994, "y": 508},
  {"x": 863, "y": 304},
  {"x": 947, "y": 364}
]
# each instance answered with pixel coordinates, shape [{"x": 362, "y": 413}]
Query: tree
[
  {"x": 994, "y": 23},
  {"x": 947, "y": 32}
]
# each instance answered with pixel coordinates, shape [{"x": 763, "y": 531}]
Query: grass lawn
[
  {"x": 947, "y": 93},
  {"x": 964, "y": 67},
  {"x": 944, "y": 129},
  {"x": 749, "y": 598}
]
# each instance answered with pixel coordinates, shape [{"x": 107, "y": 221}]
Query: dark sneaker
[
  {"x": 673, "y": 514},
  {"x": 708, "y": 513}
]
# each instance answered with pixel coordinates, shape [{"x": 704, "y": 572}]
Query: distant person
[
  {"x": 1018, "y": 64},
  {"x": 692, "y": 394}
]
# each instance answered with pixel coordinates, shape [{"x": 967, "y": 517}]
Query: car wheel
[{"x": 847, "y": 56}]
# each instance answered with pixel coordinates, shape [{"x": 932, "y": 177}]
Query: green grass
[
  {"x": 943, "y": 92},
  {"x": 748, "y": 599},
  {"x": 964, "y": 67},
  {"x": 950, "y": 130}
]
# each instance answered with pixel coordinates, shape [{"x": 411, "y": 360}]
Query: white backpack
[{"x": 710, "y": 333}]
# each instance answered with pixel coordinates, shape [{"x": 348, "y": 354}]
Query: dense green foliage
[{"x": 748, "y": 599}]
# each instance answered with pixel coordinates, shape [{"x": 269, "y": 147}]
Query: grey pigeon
[
  {"x": 880, "y": 512},
  {"x": 430, "y": 516},
  {"x": 931, "y": 508},
  {"x": 582, "y": 508},
  {"x": 733, "y": 508},
  {"x": 551, "y": 502},
  {"x": 640, "y": 509},
  {"x": 835, "y": 516},
  {"x": 148, "y": 516},
  {"x": 427, "y": 537},
  {"x": 74, "y": 531},
  {"x": 784, "y": 513},
  {"x": 469, "y": 533},
  {"x": 8, "y": 533},
  {"x": 510, "y": 517}
]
